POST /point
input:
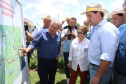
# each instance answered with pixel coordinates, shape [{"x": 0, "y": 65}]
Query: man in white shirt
[{"x": 103, "y": 44}]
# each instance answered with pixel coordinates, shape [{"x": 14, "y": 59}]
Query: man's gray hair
[{"x": 57, "y": 22}]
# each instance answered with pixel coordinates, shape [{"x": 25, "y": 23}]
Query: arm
[
  {"x": 64, "y": 35},
  {"x": 29, "y": 49},
  {"x": 70, "y": 56},
  {"x": 109, "y": 42},
  {"x": 61, "y": 28},
  {"x": 58, "y": 52},
  {"x": 30, "y": 37},
  {"x": 34, "y": 34},
  {"x": 101, "y": 70},
  {"x": 74, "y": 34}
]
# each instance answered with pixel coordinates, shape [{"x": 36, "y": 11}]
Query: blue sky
[{"x": 35, "y": 9}]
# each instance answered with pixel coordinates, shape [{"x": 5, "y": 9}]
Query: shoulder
[
  {"x": 43, "y": 31},
  {"x": 58, "y": 34},
  {"x": 75, "y": 41},
  {"x": 109, "y": 28},
  {"x": 87, "y": 41},
  {"x": 122, "y": 27}
]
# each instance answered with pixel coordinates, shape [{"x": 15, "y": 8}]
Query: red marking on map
[{"x": 14, "y": 59}]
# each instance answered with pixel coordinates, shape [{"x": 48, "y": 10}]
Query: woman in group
[{"x": 78, "y": 56}]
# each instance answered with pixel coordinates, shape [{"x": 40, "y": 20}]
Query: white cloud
[
  {"x": 117, "y": 4},
  {"x": 41, "y": 8},
  {"x": 30, "y": 1}
]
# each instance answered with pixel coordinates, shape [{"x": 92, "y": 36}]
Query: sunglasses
[{"x": 79, "y": 32}]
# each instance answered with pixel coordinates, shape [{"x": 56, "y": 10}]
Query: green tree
[
  {"x": 27, "y": 23},
  {"x": 78, "y": 24},
  {"x": 34, "y": 26},
  {"x": 109, "y": 19}
]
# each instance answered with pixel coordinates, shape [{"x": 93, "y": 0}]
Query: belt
[
  {"x": 94, "y": 64},
  {"x": 121, "y": 73}
]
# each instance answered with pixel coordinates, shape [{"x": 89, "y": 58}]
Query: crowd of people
[{"x": 98, "y": 47}]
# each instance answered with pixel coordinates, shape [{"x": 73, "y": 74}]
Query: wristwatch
[{"x": 66, "y": 35}]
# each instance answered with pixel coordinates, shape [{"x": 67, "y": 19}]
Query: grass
[
  {"x": 33, "y": 61},
  {"x": 60, "y": 77}
]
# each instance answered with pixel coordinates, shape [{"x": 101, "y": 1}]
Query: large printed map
[
  {"x": 13, "y": 67},
  {"x": 11, "y": 62}
]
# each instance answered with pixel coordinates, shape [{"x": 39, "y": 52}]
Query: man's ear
[{"x": 43, "y": 21}]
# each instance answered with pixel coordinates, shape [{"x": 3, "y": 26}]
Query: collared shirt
[
  {"x": 103, "y": 43},
  {"x": 78, "y": 54},
  {"x": 36, "y": 31},
  {"x": 120, "y": 60},
  {"x": 48, "y": 47},
  {"x": 91, "y": 30},
  {"x": 66, "y": 41}
]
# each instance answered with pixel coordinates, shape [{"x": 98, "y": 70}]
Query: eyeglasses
[{"x": 79, "y": 32}]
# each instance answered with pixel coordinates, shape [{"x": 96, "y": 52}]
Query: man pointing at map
[{"x": 48, "y": 42}]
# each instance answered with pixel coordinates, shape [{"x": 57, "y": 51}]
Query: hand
[
  {"x": 59, "y": 31},
  {"x": 73, "y": 33},
  {"x": 57, "y": 57},
  {"x": 23, "y": 52},
  {"x": 63, "y": 21},
  {"x": 68, "y": 32},
  {"x": 95, "y": 80},
  {"x": 69, "y": 64}
]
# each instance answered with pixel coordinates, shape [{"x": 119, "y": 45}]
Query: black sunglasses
[{"x": 79, "y": 32}]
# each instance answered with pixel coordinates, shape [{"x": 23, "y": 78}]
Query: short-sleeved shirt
[{"x": 66, "y": 41}]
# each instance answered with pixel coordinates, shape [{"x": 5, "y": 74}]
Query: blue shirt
[
  {"x": 88, "y": 35},
  {"x": 36, "y": 31},
  {"x": 120, "y": 60},
  {"x": 103, "y": 43},
  {"x": 48, "y": 47},
  {"x": 66, "y": 41}
]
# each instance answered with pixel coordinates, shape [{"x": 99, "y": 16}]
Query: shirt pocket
[{"x": 85, "y": 50}]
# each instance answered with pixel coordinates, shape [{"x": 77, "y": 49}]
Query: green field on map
[{"x": 10, "y": 56}]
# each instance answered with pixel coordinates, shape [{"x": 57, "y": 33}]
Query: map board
[{"x": 13, "y": 67}]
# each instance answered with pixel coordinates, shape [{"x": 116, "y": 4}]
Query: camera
[
  {"x": 70, "y": 28},
  {"x": 70, "y": 36}
]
